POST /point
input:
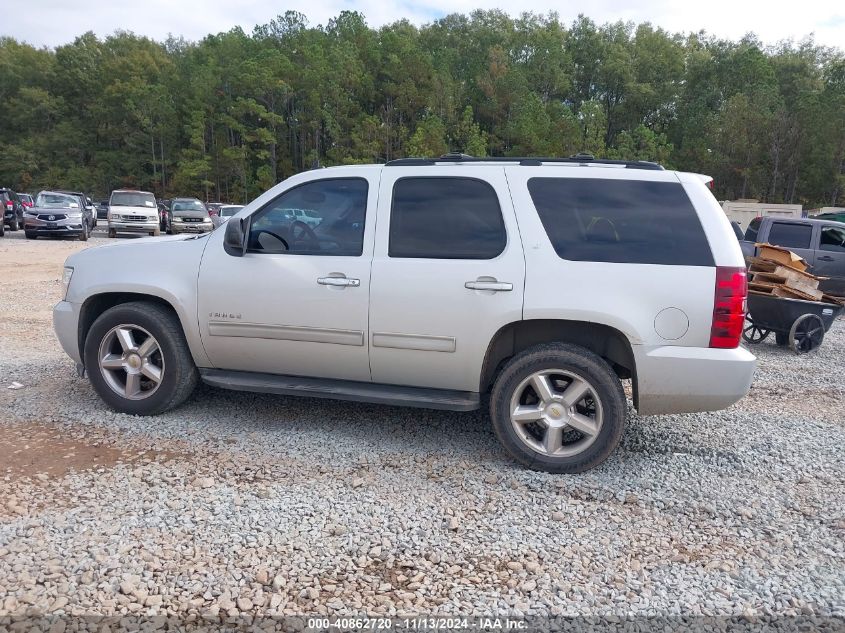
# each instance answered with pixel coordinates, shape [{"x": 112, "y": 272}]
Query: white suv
[{"x": 433, "y": 283}]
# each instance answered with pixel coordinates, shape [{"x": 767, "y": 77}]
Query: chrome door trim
[
  {"x": 421, "y": 342},
  {"x": 286, "y": 333}
]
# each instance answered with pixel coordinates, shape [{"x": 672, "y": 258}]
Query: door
[
  {"x": 448, "y": 273},
  {"x": 296, "y": 302},
  {"x": 830, "y": 259}
]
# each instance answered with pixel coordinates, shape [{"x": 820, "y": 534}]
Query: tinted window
[
  {"x": 753, "y": 229},
  {"x": 790, "y": 235},
  {"x": 446, "y": 218},
  {"x": 630, "y": 221},
  {"x": 323, "y": 217},
  {"x": 832, "y": 239}
]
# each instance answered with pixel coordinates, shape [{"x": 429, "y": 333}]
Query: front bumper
[
  {"x": 191, "y": 227},
  {"x": 58, "y": 228},
  {"x": 689, "y": 379},
  {"x": 129, "y": 226},
  {"x": 66, "y": 326}
]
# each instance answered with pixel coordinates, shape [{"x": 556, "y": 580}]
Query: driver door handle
[
  {"x": 338, "y": 281},
  {"x": 496, "y": 286},
  {"x": 825, "y": 258}
]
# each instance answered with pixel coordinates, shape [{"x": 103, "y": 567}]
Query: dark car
[
  {"x": 103, "y": 210},
  {"x": 820, "y": 242},
  {"x": 188, "y": 215},
  {"x": 12, "y": 209},
  {"x": 836, "y": 216}
]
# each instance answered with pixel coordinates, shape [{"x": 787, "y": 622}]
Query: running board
[{"x": 342, "y": 390}]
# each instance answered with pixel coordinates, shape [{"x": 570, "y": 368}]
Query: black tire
[
  {"x": 806, "y": 334},
  {"x": 13, "y": 224},
  {"x": 581, "y": 363},
  {"x": 83, "y": 237},
  {"x": 2, "y": 228},
  {"x": 180, "y": 375},
  {"x": 30, "y": 235}
]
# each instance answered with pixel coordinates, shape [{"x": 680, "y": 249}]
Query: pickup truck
[{"x": 820, "y": 242}]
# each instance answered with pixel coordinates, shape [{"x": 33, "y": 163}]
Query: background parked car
[
  {"x": 12, "y": 209},
  {"x": 133, "y": 211},
  {"x": 59, "y": 214},
  {"x": 225, "y": 212},
  {"x": 103, "y": 210},
  {"x": 820, "y": 242},
  {"x": 26, "y": 200},
  {"x": 214, "y": 208},
  {"x": 188, "y": 215}
]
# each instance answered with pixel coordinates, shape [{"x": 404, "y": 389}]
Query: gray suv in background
[
  {"x": 58, "y": 214},
  {"x": 188, "y": 215}
]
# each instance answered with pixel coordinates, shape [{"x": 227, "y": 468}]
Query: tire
[
  {"x": 172, "y": 358},
  {"x": 83, "y": 237},
  {"x": 13, "y": 224},
  {"x": 155, "y": 233},
  {"x": 567, "y": 366},
  {"x": 2, "y": 228},
  {"x": 112, "y": 233},
  {"x": 30, "y": 235}
]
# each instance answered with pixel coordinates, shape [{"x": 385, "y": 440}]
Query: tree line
[{"x": 229, "y": 116}]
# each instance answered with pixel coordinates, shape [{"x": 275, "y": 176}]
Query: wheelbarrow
[{"x": 798, "y": 323}]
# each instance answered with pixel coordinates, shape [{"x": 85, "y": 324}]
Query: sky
[{"x": 55, "y": 22}]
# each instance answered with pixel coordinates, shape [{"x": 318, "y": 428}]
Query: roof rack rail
[{"x": 525, "y": 161}]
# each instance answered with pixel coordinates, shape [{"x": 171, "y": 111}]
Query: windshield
[
  {"x": 228, "y": 212},
  {"x": 187, "y": 205},
  {"x": 48, "y": 200},
  {"x": 132, "y": 199}
]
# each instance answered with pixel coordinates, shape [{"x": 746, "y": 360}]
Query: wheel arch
[
  {"x": 97, "y": 304},
  {"x": 604, "y": 340}
]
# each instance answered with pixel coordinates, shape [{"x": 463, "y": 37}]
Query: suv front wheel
[
  {"x": 138, "y": 359},
  {"x": 558, "y": 408}
]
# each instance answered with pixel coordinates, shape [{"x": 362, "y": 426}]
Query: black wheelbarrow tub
[{"x": 779, "y": 313}]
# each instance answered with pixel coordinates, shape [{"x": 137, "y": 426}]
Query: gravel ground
[{"x": 250, "y": 504}]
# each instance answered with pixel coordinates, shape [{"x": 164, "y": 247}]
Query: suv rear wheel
[
  {"x": 13, "y": 223},
  {"x": 138, "y": 359},
  {"x": 558, "y": 408}
]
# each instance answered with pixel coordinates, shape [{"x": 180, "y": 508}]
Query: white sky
[{"x": 55, "y": 22}]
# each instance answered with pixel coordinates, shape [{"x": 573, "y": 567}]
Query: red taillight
[
  {"x": 10, "y": 204},
  {"x": 710, "y": 183},
  {"x": 729, "y": 307}
]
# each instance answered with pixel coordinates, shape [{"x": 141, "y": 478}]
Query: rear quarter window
[{"x": 620, "y": 221}]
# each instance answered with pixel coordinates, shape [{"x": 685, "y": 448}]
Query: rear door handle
[
  {"x": 338, "y": 281},
  {"x": 825, "y": 258},
  {"x": 495, "y": 286}
]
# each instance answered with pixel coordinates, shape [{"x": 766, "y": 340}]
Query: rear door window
[
  {"x": 446, "y": 218},
  {"x": 620, "y": 221},
  {"x": 832, "y": 239},
  {"x": 790, "y": 235}
]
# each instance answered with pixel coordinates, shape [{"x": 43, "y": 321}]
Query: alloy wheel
[
  {"x": 131, "y": 362},
  {"x": 556, "y": 413}
]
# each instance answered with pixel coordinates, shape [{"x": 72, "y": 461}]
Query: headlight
[
  {"x": 178, "y": 220},
  {"x": 66, "y": 276}
]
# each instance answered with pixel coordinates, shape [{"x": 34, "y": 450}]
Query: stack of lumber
[{"x": 780, "y": 272}]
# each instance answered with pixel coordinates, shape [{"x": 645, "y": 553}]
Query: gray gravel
[{"x": 240, "y": 503}]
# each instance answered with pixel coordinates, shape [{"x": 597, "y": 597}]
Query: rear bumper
[
  {"x": 66, "y": 326},
  {"x": 690, "y": 379}
]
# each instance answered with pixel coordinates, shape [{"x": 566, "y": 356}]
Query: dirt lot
[{"x": 248, "y": 505}]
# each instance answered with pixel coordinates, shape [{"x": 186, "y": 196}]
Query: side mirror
[{"x": 234, "y": 241}]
